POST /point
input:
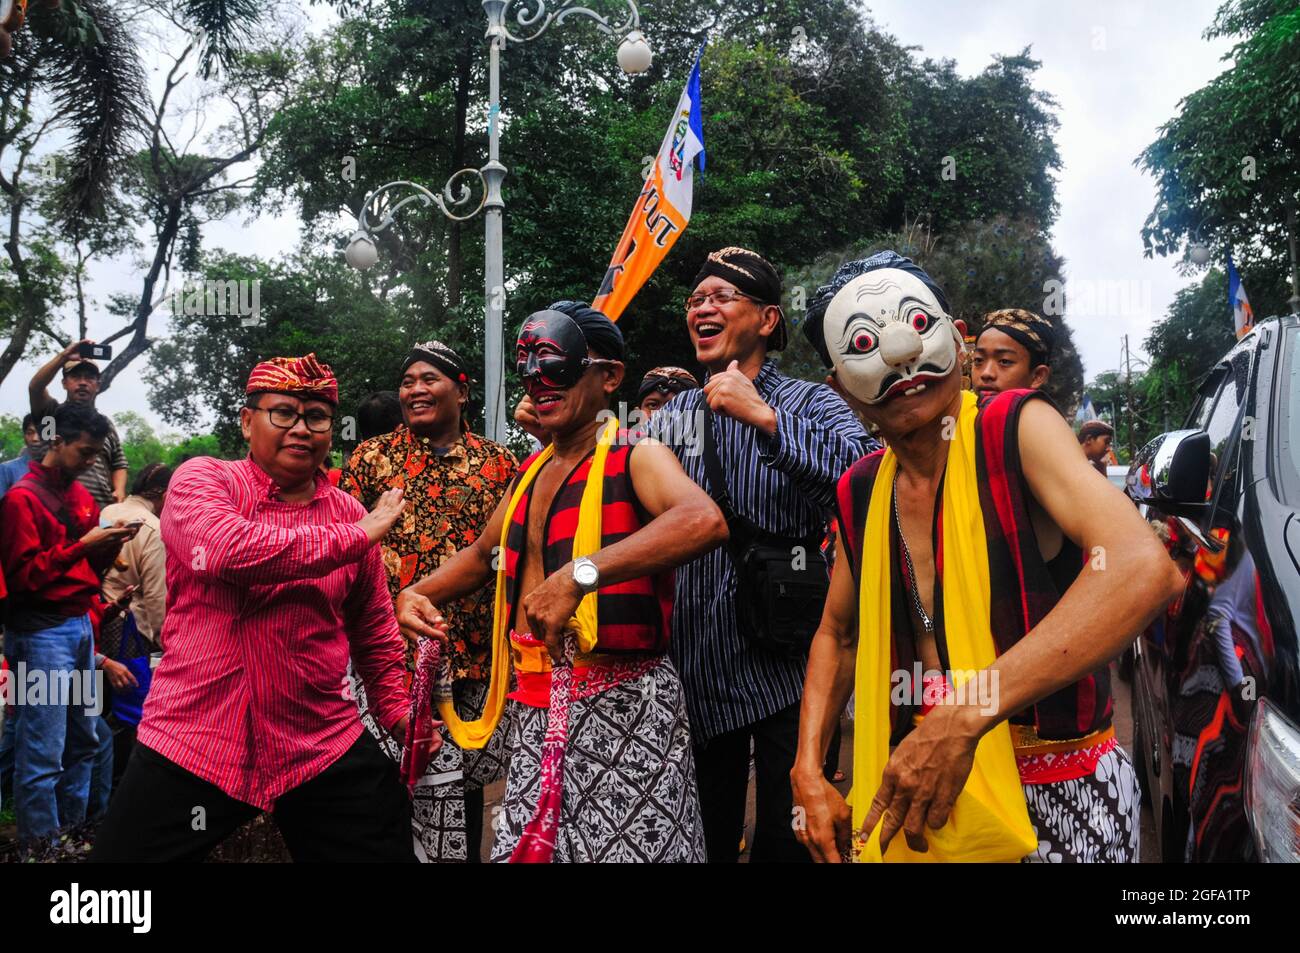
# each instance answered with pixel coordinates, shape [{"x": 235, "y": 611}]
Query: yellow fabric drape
[
  {"x": 989, "y": 821},
  {"x": 586, "y": 540}
]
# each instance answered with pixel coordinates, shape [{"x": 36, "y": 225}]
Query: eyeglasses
[
  {"x": 286, "y": 418},
  {"x": 725, "y": 296}
]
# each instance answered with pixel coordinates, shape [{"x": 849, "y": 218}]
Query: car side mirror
[{"x": 1172, "y": 473}]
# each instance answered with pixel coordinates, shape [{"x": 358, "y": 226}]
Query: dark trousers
[
  {"x": 354, "y": 810},
  {"x": 722, "y": 769}
]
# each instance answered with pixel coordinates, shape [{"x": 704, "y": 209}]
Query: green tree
[
  {"x": 820, "y": 131},
  {"x": 1227, "y": 167},
  {"x": 307, "y": 304}
]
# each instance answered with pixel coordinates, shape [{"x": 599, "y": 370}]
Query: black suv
[{"x": 1233, "y": 471}]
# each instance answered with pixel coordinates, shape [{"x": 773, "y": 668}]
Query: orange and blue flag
[
  {"x": 664, "y": 206},
  {"x": 1243, "y": 318}
]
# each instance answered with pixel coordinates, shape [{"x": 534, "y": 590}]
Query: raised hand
[
  {"x": 377, "y": 522},
  {"x": 733, "y": 394}
]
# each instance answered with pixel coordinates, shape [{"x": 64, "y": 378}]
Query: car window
[
  {"x": 1222, "y": 426},
  {"x": 1208, "y": 390},
  {"x": 1288, "y": 421}
]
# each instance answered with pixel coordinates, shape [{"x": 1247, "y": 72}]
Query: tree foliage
[
  {"x": 1227, "y": 167},
  {"x": 822, "y": 131}
]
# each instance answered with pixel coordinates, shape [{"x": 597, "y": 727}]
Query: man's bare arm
[
  {"x": 686, "y": 523},
  {"x": 1127, "y": 579},
  {"x": 466, "y": 572},
  {"x": 827, "y": 686}
]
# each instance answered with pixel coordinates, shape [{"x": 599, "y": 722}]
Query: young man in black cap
[
  {"x": 781, "y": 444},
  {"x": 1013, "y": 351},
  {"x": 453, "y": 480},
  {"x": 106, "y": 477},
  {"x": 660, "y": 385}
]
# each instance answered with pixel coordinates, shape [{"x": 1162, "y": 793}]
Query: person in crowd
[
  {"x": 378, "y": 414},
  {"x": 582, "y": 549},
  {"x": 781, "y": 444},
  {"x": 1013, "y": 351},
  {"x": 961, "y": 581},
  {"x": 142, "y": 564},
  {"x": 1095, "y": 438},
  {"x": 274, "y": 580},
  {"x": 661, "y": 385},
  {"x": 14, "y": 470},
  {"x": 54, "y": 552},
  {"x": 452, "y": 480},
  {"x": 105, "y": 478}
]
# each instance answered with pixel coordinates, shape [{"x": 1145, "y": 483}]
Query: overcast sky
[{"x": 1117, "y": 71}]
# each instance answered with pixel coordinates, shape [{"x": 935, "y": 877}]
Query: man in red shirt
[
  {"x": 53, "y": 553},
  {"x": 273, "y": 579}
]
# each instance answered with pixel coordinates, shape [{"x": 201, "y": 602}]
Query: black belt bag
[{"x": 781, "y": 581}]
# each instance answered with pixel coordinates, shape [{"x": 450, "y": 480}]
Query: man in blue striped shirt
[{"x": 782, "y": 444}]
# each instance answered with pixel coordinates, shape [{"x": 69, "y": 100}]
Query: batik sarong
[
  {"x": 438, "y": 820},
  {"x": 1090, "y": 819},
  {"x": 629, "y": 792}
]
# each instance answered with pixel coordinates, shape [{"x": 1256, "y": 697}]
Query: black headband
[
  {"x": 752, "y": 274},
  {"x": 440, "y": 356}
]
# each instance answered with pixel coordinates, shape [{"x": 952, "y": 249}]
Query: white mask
[{"x": 886, "y": 332}]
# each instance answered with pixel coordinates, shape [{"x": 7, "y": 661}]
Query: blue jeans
[
  {"x": 7, "y": 757},
  {"x": 55, "y": 736},
  {"x": 101, "y": 776}
]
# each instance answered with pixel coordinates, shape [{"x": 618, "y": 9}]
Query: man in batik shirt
[{"x": 453, "y": 480}]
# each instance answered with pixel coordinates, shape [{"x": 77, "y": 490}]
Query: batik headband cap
[
  {"x": 440, "y": 356},
  {"x": 1033, "y": 331},
  {"x": 303, "y": 377},
  {"x": 813, "y": 328},
  {"x": 752, "y": 274},
  {"x": 672, "y": 380}
]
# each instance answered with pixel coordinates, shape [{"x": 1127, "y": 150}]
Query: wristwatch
[{"x": 586, "y": 575}]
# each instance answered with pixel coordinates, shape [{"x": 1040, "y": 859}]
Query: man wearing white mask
[{"x": 962, "y": 609}]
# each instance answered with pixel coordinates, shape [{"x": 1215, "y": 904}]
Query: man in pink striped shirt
[{"x": 274, "y": 580}]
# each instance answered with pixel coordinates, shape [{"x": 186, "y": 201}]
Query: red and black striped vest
[
  {"x": 633, "y": 616},
  {"x": 1024, "y": 587}
]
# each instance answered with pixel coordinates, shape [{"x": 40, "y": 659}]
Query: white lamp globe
[
  {"x": 1198, "y": 252},
  {"x": 634, "y": 54},
  {"x": 361, "y": 252}
]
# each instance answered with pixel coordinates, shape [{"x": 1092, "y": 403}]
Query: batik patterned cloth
[
  {"x": 1089, "y": 820},
  {"x": 629, "y": 792},
  {"x": 449, "y": 499},
  {"x": 438, "y": 818}
]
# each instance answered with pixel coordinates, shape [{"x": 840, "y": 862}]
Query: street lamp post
[{"x": 533, "y": 19}]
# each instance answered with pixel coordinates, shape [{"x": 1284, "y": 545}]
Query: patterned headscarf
[
  {"x": 669, "y": 380},
  {"x": 304, "y": 377},
  {"x": 1031, "y": 330},
  {"x": 440, "y": 356}
]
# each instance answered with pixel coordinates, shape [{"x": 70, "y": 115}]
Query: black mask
[{"x": 551, "y": 351}]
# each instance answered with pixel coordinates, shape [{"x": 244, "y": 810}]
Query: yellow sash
[
  {"x": 989, "y": 821},
  {"x": 586, "y": 540}
]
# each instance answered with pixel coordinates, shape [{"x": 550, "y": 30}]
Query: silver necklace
[{"x": 911, "y": 569}]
